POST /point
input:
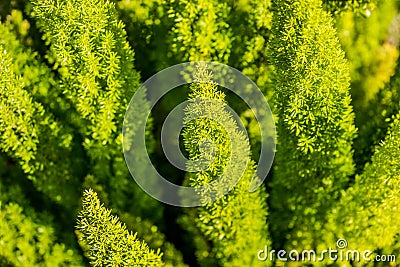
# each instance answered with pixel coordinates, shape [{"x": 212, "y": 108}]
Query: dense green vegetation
[{"x": 68, "y": 68}]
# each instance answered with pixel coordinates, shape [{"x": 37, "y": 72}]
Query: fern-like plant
[
  {"x": 30, "y": 134},
  {"x": 93, "y": 57},
  {"x": 234, "y": 223},
  {"x": 315, "y": 121},
  {"x": 201, "y": 30},
  {"x": 106, "y": 240},
  {"x": 366, "y": 213}
]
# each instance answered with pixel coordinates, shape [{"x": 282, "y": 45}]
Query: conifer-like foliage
[
  {"x": 109, "y": 242},
  {"x": 25, "y": 124},
  {"x": 30, "y": 241},
  {"x": 201, "y": 30},
  {"x": 366, "y": 213},
  {"x": 235, "y": 223},
  {"x": 29, "y": 237},
  {"x": 156, "y": 239},
  {"x": 95, "y": 62},
  {"x": 89, "y": 44},
  {"x": 68, "y": 69},
  {"x": 315, "y": 126}
]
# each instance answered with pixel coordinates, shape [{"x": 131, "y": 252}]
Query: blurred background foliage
[{"x": 69, "y": 68}]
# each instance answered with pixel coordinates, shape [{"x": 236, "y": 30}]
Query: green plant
[
  {"x": 29, "y": 236},
  {"x": 371, "y": 49},
  {"x": 235, "y": 223},
  {"x": 95, "y": 63},
  {"x": 359, "y": 7},
  {"x": 30, "y": 134},
  {"x": 378, "y": 115},
  {"x": 201, "y": 31},
  {"x": 27, "y": 240},
  {"x": 106, "y": 240},
  {"x": 68, "y": 69},
  {"x": 315, "y": 121},
  {"x": 365, "y": 214},
  {"x": 152, "y": 235}
]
